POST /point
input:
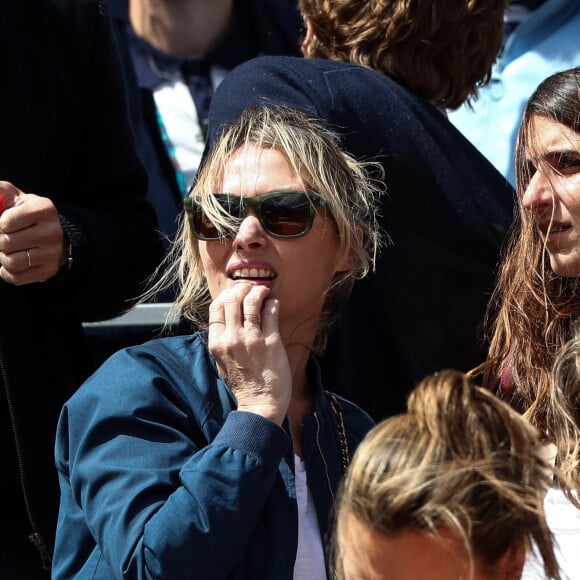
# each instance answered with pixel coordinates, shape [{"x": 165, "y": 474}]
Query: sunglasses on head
[{"x": 282, "y": 214}]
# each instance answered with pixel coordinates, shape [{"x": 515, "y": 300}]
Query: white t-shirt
[
  {"x": 564, "y": 522},
  {"x": 309, "y": 563}
]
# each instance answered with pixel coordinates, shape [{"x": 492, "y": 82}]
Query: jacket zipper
[
  {"x": 319, "y": 447},
  {"x": 35, "y": 537},
  {"x": 317, "y": 437}
]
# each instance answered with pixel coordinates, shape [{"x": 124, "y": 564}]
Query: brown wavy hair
[{"x": 442, "y": 50}]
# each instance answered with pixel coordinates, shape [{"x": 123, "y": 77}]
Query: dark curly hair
[{"x": 442, "y": 50}]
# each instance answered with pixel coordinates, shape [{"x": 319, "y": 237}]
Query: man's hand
[{"x": 32, "y": 241}]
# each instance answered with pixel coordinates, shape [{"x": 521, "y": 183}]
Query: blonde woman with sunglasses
[
  {"x": 218, "y": 455},
  {"x": 382, "y": 73}
]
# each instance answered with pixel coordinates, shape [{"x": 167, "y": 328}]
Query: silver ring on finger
[{"x": 29, "y": 260}]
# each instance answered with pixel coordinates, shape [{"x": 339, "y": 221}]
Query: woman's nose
[
  {"x": 539, "y": 193},
  {"x": 250, "y": 234}
]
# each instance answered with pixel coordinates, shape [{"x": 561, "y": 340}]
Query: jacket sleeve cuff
[{"x": 253, "y": 434}]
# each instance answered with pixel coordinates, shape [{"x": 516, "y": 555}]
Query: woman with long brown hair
[{"x": 535, "y": 309}]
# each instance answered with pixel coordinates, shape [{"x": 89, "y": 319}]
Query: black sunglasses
[{"x": 282, "y": 214}]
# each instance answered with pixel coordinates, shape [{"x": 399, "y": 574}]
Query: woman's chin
[{"x": 565, "y": 266}]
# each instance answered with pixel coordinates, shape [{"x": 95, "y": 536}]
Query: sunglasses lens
[
  {"x": 289, "y": 214},
  {"x": 285, "y": 214},
  {"x": 204, "y": 227}
]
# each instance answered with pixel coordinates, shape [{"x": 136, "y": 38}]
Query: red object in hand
[{"x": 2, "y": 204}]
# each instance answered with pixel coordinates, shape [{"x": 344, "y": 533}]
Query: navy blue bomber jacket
[{"x": 161, "y": 477}]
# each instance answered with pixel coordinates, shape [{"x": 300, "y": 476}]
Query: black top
[{"x": 65, "y": 135}]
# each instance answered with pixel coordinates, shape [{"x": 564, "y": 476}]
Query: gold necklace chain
[{"x": 337, "y": 410}]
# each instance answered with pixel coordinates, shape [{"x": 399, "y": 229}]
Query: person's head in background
[
  {"x": 442, "y": 50},
  {"x": 537, "y": 300},
  {"x": 453, "y": 488},
  {"x": 334, "y": 188}
]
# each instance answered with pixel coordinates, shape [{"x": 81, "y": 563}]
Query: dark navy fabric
[
  {"x": 445, "y": 207},
  {"x": 65, "y": 136},
  {"x": 155, "y": 461}
]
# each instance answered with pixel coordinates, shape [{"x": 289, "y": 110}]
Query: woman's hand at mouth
[{"x": 246, "y": 343}]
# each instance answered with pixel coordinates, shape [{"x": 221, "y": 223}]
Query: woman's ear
[
  {"x": 347, "y": 261},
  {"x": 307, "y": 37}
]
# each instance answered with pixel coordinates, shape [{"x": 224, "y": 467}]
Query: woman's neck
[
  {"x": 303, "y": 393},
  {"x": 181, "y": 27}
]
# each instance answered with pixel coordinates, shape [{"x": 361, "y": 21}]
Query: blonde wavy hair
[
  {"x": 442, "y": 50},
  {"x": 350, "y": 189},
  {"x": 460, "y": 459}
]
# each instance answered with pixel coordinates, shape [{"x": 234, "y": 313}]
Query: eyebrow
[
  {"x": 551, "y": 156},
  {"x": 562, "y": 153}
]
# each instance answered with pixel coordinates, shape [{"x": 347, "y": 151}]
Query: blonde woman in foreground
[{"x": 452, "y": 489}]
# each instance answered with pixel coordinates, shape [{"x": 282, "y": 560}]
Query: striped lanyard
[{"x": 171, "y": 152}]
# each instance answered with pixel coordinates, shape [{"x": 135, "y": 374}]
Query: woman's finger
[
  {"x": 217, "y": 321},
  {"x": 252, "y": 306},
  {"x": 233, "y": 300},
  {"x": 270, "y": 312}
]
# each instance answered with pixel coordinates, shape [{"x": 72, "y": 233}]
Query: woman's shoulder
[
  {"x": 163, "y": 352},
  {"x": 170, "y": 364}
]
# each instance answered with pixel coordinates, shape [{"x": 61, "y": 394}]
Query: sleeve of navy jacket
[{"x": 177, "y": 493}]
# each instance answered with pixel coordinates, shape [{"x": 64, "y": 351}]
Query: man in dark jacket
[
  {"x": 445, "y": 207},
  {"x": 164, "y": 45},
  {"x": 77, "y": 239}
]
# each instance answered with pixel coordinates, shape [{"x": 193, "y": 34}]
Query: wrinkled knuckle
[
  {"x": 250, "y": 302},
  {"x": 214, "y": 308},
  {"x": 7, "y": 243},
  {"x": 230, "y": 297}
]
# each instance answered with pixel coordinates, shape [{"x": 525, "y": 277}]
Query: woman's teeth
[{"x": 253, "y": 273}]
